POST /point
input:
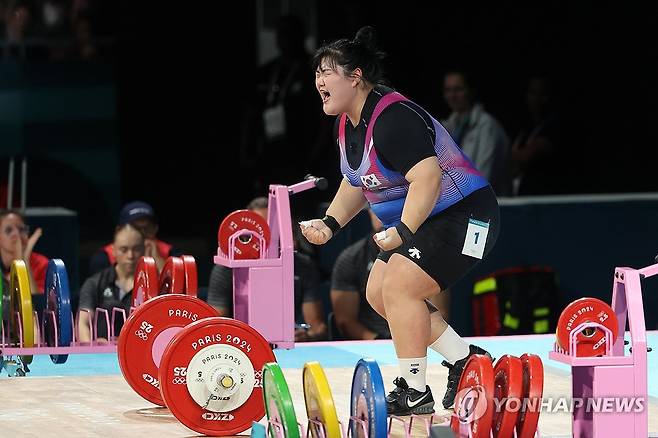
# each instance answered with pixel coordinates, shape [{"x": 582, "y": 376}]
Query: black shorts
[{"x": 437, "y": 245}]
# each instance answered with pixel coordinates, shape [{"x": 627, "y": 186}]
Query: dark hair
[
  {"x": 361, "y": 52},
  {"x": 7, "y": 211},
  {"x": 466, "y": 75},
  {"x": 127, "y": 226}
]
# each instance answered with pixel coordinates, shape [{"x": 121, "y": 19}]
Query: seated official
[{"x": 111, "y": 287}]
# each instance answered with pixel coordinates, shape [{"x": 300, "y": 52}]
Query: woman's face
[
  {"x": 336, "y": 89},
  {"x": 128, "y": 248},
  {"x": 12, "y": 228},
  {"x": 456, "y": 93}
]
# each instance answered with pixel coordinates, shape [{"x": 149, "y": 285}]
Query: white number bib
[{"x": 476, "y": 238}]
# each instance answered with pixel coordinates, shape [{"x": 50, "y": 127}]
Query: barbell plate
[
  {"x": 319, "y": 400},
  {"x": 533, "y": 390},
  {"x": 474, "y": 404},
  {"x": 368, "y": 399},
  {"x": 592, "y": 342},
  {"x": 278, "y": 401},
  {"x": 179, "y": 354},
  {"x": 508, "y": 390},
  {"x": 223, "y": 378},
  {"x": 248, "y": 247},
  {"x": 21, "y": 303},
  {"x": 146, "y": 283},
  {"x": 191, "y": 277},
  {"x": 147, "y": 332},
  {"x": 58, "y": 301},
  {"x": 172, "y": 276}
]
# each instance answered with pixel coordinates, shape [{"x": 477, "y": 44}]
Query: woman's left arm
[{"x": 424, "y": 188}]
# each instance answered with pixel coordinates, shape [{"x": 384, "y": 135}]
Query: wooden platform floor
[{"x": 105, "y": 406}]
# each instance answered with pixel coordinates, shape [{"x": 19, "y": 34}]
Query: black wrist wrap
[
  {"x": 404, "y": 232},
  {"x": 332, "y": 223}
]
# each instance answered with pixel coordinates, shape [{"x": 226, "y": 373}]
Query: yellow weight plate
[
  {"x": 319, "y": 401},
  {"x": 20, "y": 298}
]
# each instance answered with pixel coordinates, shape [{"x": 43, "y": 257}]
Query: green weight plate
[{"x": 278, "y": 402}]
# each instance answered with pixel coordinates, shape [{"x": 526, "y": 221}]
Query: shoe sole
[
  {"x": 427, "y": 408},
  {"x": 423, "y": 409}
]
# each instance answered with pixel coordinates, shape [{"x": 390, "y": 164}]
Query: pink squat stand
[
  {"x": 263, "y": 288},
  {"x": 596, "y": 380}
]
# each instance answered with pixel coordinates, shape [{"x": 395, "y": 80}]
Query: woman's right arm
[{"x": 347, "y": 202}]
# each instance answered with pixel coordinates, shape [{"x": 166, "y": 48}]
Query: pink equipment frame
[
  {"x": 263, "y": 288},
  {"x": 615, "y": 374}
]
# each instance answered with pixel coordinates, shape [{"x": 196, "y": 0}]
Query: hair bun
[{"x": 367, "y": 36}]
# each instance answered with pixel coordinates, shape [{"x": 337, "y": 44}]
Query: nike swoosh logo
[{"x": 412, "y": 404}]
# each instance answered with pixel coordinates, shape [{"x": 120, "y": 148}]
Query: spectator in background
[
  {"x": 16, "y": 243},
  {"x": 141, "y": 216},
  {"x": 112, "y": 286},
  {"x": 535, "y": 147},
  {"x": 53, "y": 23},
  {"x": 478, "y": 133},
  {"x": 54, "y": 30},
  {"x": 84, "y": 42},
  {"x": 353, "y": 315},
  {"x": 17, "y": 26},
  {"x": 280, "y": 118},
  {"x": 308, "y": 302}
]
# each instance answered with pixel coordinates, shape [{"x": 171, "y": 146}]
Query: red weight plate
[
  {"x": 508, "y": 389},
  {"x": 172, "y": 277},
  {"x": 245, "y": 247},
  {"x": 215, "y": 350},
  {"x": 591, "y": 341},
  {"x": 147, "y": 332},
  {"x": 474, "y": 404},
  {"x": 146, "y": 284},
  {"x": 533, "y": 389},
  {"x": 191, "y": 282}
]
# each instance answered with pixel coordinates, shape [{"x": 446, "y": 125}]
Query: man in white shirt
[{"x": 478, "y": 133}]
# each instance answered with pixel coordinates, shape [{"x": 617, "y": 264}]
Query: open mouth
[{"x": 325, "y": 96}]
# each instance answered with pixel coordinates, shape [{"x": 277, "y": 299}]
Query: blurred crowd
[{"x": 55, "y": 30}]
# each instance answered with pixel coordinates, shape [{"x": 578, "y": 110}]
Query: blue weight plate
[
  {"x": 58, "y": 300},
  {"x": 368, "y": 400}
]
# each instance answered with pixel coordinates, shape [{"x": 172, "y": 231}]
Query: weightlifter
[{"x": 440, "y": 214}]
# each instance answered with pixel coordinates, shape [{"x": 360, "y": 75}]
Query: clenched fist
[{"x": 316, "y": 231}]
